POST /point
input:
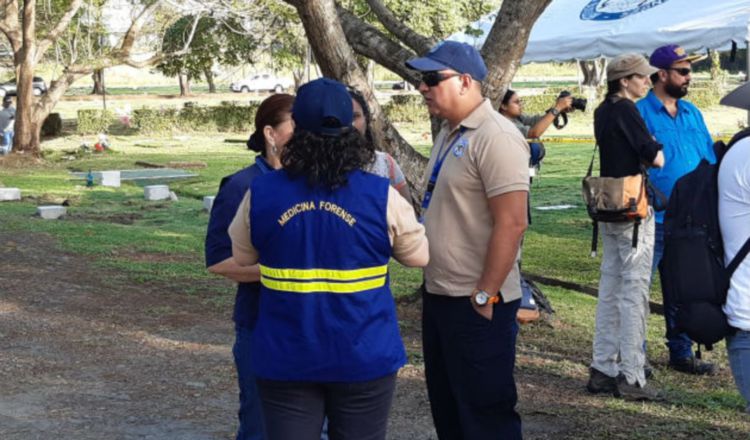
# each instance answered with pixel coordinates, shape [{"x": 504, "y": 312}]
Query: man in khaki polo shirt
[{"x": 475, "y": 214}]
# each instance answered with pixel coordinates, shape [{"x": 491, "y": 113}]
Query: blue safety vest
[{"x": 326, "y": 311}]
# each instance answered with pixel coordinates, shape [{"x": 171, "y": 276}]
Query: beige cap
[{"x": 628, "y": 64}]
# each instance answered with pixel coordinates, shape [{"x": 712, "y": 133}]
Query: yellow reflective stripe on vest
[
  {"x": 322, "y": 286},
  {"x": 317, "y": 274}
]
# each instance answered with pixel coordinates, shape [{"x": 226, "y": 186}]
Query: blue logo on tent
[{"x": 603, "y": 10}]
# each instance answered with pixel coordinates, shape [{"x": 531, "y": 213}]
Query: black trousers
[
  {"x": 469, "y": 363},
  {"x": 355, "y": 410}
]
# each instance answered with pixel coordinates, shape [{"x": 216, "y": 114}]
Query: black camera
[{"x": 578, "y": 103}]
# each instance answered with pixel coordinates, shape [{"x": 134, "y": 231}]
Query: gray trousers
[
  {"x": 355, "y": 410},
  {"x": 622, "y": 309}
]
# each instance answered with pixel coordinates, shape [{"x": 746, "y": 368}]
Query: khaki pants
[{"x": 622, "y": 309}]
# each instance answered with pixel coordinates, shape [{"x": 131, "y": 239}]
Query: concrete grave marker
[
  {"x": 208, "y": 202},
  {"x": 111, "y": 178},
  {"x": 156, "y": 192},
  {"x": 52, "y": 212},
  {"x": 7, "y": 194}
]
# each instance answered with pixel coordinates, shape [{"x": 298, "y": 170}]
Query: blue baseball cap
[
  {"x": 323, "y": 107},
  {"x": 460, "y": 57}
]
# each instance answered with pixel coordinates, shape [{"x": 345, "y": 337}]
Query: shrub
[
  {"x": 94, "y": 121},
  {"x": 227, "y": 116},
  {"x": 406, "y": 108},
  {"x": 148, "y": 120},
  {"x": 704, "y": 97}
]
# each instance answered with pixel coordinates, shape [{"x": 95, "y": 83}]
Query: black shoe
[
  {"x": 637, "y": 392},
  {"x": 648, "y": 370},
  {"x": 601, "y": 383},
  {"x": 691, "y": 365}
]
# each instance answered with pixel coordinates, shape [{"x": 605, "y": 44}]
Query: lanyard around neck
[{"x": 441, "y": 156}]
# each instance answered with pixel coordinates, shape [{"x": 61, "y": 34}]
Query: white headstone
[
  {"x": 10, "y": 194},
  {"x": 111, "y": 178},
  {"x": 208, "y": 202},
  {"x": 156, "y": 192},
  {"x": 52, "y": 212}
]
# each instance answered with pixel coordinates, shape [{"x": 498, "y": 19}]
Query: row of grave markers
[{"x": 53, "y": 212}]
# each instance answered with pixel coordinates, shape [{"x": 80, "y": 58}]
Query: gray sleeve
[{"x": 525, "y": 122}]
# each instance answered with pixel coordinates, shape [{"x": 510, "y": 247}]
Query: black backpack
[{"x": 693, "y": 273}]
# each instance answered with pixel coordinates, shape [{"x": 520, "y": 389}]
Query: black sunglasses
[
  {"x": 684, "y": 71},
  {"x": 433, "y": 78}
]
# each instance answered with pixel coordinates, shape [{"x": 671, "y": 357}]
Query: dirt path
[{"x": 86, "y": 354}]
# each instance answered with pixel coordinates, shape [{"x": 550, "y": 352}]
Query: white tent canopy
[{"x": 588, "y": 29}]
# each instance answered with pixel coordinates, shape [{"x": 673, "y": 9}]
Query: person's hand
[
  {"x": 564, "y": 104},
  {"x": 484, "y": 311}
]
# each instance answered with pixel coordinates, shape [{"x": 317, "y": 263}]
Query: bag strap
[
  {"x": 738, "y": 258},
  {"x": 591, "y": 164}
]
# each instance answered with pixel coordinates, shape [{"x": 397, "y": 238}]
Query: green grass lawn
[{"x": 162, "y": 242}]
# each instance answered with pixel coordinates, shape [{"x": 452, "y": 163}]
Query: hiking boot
[
  {"x": 636, "y": 392},
  {"x": 601, "y": 383},
  {"x": 691, "y": 365}
]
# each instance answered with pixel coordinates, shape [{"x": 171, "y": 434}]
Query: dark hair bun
[{"x": 257, "y": 142}]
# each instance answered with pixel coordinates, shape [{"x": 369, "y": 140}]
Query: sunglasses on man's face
[
  {"x": 684, "y": 71},
  {"x": 431, "y": 79}
]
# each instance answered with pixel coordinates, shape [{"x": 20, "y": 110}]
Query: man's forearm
[
  {"x": 241, "y": 274},
  {"x": 502, "y": 252}
]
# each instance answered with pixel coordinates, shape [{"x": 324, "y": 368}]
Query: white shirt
[{"x": 734, "y": 218}]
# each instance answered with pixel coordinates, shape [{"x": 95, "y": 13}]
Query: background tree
[
  {"x": 213, "y": 42},
  {"x": 31, "y": 43}
]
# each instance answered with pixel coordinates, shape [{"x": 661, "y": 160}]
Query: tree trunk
[
  {"x": 98, "y": 77},
  {"x": 210, "y": 80},
  {"x": 184, "y": 84},
  {"x": 506, "y": 43},
  {"x": 26, "y": 138},
  {"x": 337, "y": 60},
  {"x": 716, "y": 72}
]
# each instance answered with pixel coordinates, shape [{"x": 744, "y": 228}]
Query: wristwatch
[
  {"x": 482, "y": 298},
  {"x": 555, "y": 112}
]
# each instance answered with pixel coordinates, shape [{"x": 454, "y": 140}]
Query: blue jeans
[
  {"x": 679, "y": 344},
  {"x": 738, "y": 349},
  {"x": 250, "y": 415},
  {"x": 6, "y": 142}
]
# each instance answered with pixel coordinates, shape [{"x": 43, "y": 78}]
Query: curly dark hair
[{"x": 326, "y": 160}]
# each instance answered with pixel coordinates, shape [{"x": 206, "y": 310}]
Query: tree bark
[
  {"x": 27, "y": 125},
  {"x": 210, "y": 80},
  {"x": 506, "y": 43},
  {"x": 184, "y": 84},
  {"x": 337, "y": 60},
  {"x": 98, "y": 77}
]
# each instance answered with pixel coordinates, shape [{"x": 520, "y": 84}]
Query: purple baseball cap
[
  {"x": 451, "y": 55},
  {"x": 665, "y": 56}
]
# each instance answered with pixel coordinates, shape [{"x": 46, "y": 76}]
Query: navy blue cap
[
  {"x": 323, "y": 107},
  {"x": 460, "y": 57}
]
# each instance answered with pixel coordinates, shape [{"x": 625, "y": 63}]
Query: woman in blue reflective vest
[
  {"x": 327, "y": 341},
  {"x": 273, "y": 129}
]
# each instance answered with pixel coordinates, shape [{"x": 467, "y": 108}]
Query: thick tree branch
[
  {"x": 506, "y": 43},
  {"x": 10, "y": 27},
  {"x": 135, "y": 28},
  {"x": 59, "y": 28},
  {"x": 369, "y": 42},
  {"x": 419, "y": 43},
  {"x": 336, "y": 58}
]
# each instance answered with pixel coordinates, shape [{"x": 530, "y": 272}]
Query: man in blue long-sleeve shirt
[{"x": 679, "y": 126}]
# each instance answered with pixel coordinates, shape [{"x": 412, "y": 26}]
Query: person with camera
[
  {"x": 626, "y": 148},
  {"x": 533, "y": 127}
]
